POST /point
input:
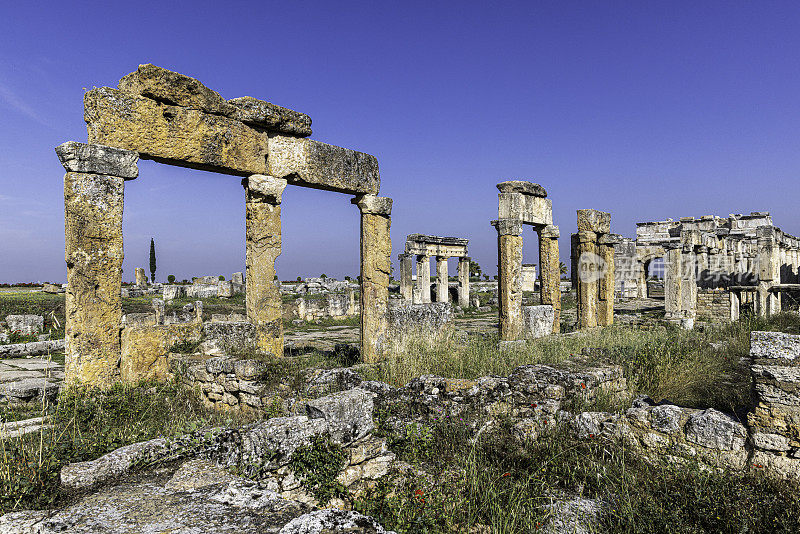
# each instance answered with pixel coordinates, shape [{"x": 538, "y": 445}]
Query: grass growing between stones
[
  {"x": 49, "y": 306},
  {"x": 87, "y": 423},
  {"x": 462, "y": 485},
  {"x": 690, "y": 368}
]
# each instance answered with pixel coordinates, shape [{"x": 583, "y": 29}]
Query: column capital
[
  {"x": 373, "y": 204},
  {"x": 508, "y": 226},
  {"x": 268, "y": 186},
  {"x": 98, "y": 159},
  {"x": 587, "y": 236}
]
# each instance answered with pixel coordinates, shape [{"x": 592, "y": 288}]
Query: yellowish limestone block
[
  {"x": 551, "y": 273},
  {"x": 263, "y": 246},
  {"x": 174, "y": 134},
  {"x": 605, "y": 306},
  {"x": 510, "y": 287},
  {"x": 145, "y": 349},
  {"x": 376, "y": 264},
  {"x": 93, "y": 234}
]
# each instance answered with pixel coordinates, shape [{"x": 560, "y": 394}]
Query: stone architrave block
[
  {"x": 595, "y": 221},
  {"x": 526, "y": 208},
  {"x": 174, "y": 134},
  {"x": 319, "y": 165},
  {"x": 522, "y": 186},
  {"x": 178, "y": 89},
  {"x": 98, "y": 159},
  {"x": 538, "y": 321}
]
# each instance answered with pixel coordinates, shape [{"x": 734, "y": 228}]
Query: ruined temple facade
[
  {"x": 424, "y": 247},
  {"x": 161, "y": 115},
  {"x": 713, "y": 266}
]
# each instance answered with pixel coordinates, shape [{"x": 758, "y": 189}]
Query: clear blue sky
[{"x": 648, "y": 110}]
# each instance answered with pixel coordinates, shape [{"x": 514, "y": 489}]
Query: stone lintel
[
  {"x": 268, "y": 186},
  {"x": 177, "y": 89},
  {"x": 173, "y": 134},
  {"x": 322, "y": 166},
  {"x": 550, "y": 231},
  {"x": 522, "y": 186},
  {"x": 373, "y": 205},
  {"x": 98, "y": 159},
  {"x": 594, "y": 221},
  {"x": 437, "y": 240},
  {"x": 508, "y": 226},
  {"x": 534, "y": 210}
]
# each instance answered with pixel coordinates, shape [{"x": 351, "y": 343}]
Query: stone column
[
  {"x": 263, "y": 246},
  {"x": 689, "y": 285},
  {"x": 605, "y": 308},
  {"x": 509, "y": 284},
  {"x": 767, "y": 302},
  {"x": 588, "y": 287},
  {"x": 550, "y": 272},
  {"x": 442, "y": 281},
  {"x": 423, "y": 279},
  {"x": 673, "y": 281},
  {"x": 141, "y": 278},
  {"x": 406, "y": 286},
  {"x": 376, "y": 264},
  {"x": 704, "y": 266},
  {"x": 463, "y": 282},
  {"x": 93, "y": 202}
]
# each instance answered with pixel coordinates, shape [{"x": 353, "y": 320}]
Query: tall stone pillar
[
  {"x": 550, "y": 272},
  {"x": 704, "y": 266},
  {"x": 442, "y": 281},
  {"x": 406, "y": 286},
  {"x": 767, "y": 301},
  {"x": 689, "y": 285},
  {"x": 673, "y": 281},
  {"x": 509, "y": 285},
  {"x": 93, "y": 203},
  {"x": 588, "y": 279},
  {"x": 605, "y": 305},
  {"x": 263, "y": 246},
  {"x": 463, "y": 282},
  {"x": 423, "y": 279},
  {"x": 376, "y": 265}
]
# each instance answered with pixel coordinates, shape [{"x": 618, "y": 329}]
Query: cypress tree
[{"x": 152, "y": 260}]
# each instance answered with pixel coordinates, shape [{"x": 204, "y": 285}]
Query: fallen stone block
[{"x": 25, "y": 324}]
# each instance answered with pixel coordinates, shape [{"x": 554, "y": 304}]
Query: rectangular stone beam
[
  {"x": 174, "y": 134},
  {"x": 526, "y": 208},
  {"x": 321, "y": 166}
]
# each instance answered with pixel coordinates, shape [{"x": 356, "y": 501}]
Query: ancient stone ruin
[
  {"x": 171, "y": 118},
  {"x": 593, "y": 268},
  {"x": 525, "y": 203},
  {"x": 713, "y": 266},
  {"x": 425, "y": 247}
]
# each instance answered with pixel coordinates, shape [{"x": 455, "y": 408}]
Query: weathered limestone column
[
  {"x": 509, "y": 280},
  {"x": 704, "y": 266},
  {"x": 93, "y": 202},
  {"x": 406, "y": 287},
  {"x": 587, "y": 279},
  {"x": 263, "y": 246},
  {"x": 550, "y": 272},
  {"x": 141, "y": 278},
  {"x": 376, "y": 265},
  {"x": 605, "y": 307},
  {"x": 442, "y": 281},
  {"x": 689, "y": 285},
  {"x": 767, "y": 302},
  {"x": 673, "y": 281},
  {"x": 463, "y": 282},
  {"x": 423, "y": 279}
]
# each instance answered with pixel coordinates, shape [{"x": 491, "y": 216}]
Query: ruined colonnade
[
  {"x": 171, "y": 118},
  {"x": 423, "y": 248},
  {"x": 593, "y": 268}
]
